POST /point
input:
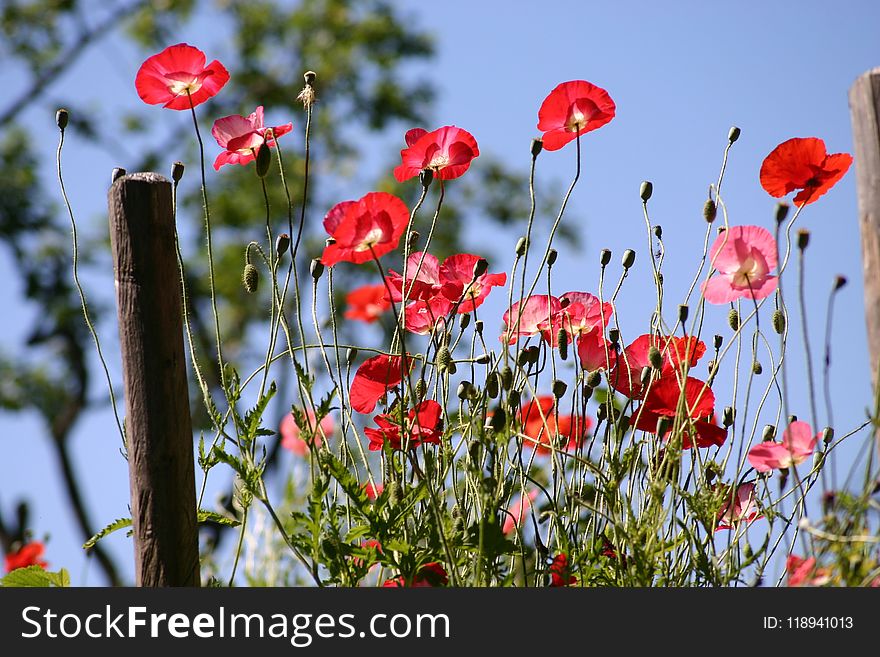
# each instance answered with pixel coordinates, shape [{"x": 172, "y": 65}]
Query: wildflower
[
  {"x": 423, "y": 424},
  {"x": 739, "y": 506},
  {"x": 532, "y": 319},
  {"x": 697, "y": 413},
  {"x": 29, "y": 554},
  {"x": 743, "y": 257},
  {"x": 364, "y": 229},
  {"x": 572, "y": 109},
  {"x": 374, "y": 378},
  {"x": 430, "y": 575},
  {"x": 177, "y": 78},
  {"x": 560, "y": 573},
  {"x": 542, "y": 428},
  {"x": 803, "y": 572},
  {"x": 514, "y": 515},
  {"x": 366, "y": 303},
  {"x": 579, "y": 313},
  {"x": 674, "y": 352},
  {"x": 798, "y": 443},
  {"x": 291, "y": 433},
  {"x": 242, "y": 136},
  {"x": 447, "y": 152},
  {"x": 804, "y": 164}
]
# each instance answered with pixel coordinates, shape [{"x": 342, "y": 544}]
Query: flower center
[
  {"x": 181, "y": 86},
  {"x": 577, "y": 120},
  {"x": 370, "y": 240},
  {"x": 438, "y": 162}
]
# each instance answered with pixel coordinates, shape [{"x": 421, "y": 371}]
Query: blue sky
[{"x": 681, "y": 73}]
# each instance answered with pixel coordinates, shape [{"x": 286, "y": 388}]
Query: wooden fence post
[{"x": 157, "y": 424}]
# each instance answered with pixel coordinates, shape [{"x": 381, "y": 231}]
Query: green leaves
[{"x": 35, "y": 577}]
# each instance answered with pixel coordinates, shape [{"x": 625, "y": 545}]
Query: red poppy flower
[
  {"x": 367, "y": 302},
  {"x": 291, "y": 432},
  {"x": 674, "y": 351},
  {"x": 743, "y": 257},
  {"x": 242, "y": 136},
  {"x": 29, "y": 554},
  {"x": 533, "y": 318},
  {"x": 663, "y": 401},
  {"x": 458, "y": 284},
  {"x": 430, "y": 575},
  {"x": 373, "y": 490},
  {"x": 572, "y": 109},
  {"x": 371, "y": 226},
  {"x": 422, "y": 278},
  {"x": 447, "y": 152},
  {"x": 542, "y": 429},
  {"x": 803, "y": 572},
  {"x": 803, "y": 163},
  {"x": 177, "y": 78},
  {"x": 373, "y": 379},
  {"x": 739, "y": 506},
  {"x": 367, "y": 545},
  {"x": 560, "y": 574},
  {"x": 424, "y": 424},
  {"x": 595, "y": 352},
  {"x": 421, "y": 317}
]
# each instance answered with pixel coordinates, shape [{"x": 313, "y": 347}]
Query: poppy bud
[
  {"x": 521, "y": 245},
  {"x": 309, "y": 77},
  {"x": 803, "y": 238},
  {"x": 506, "y": 377},
  {"x": 62, "y": 117},
  {"x": 710, "y": 211},
  {"x": 282, "y": 242},
  {"x": 117, "y": 173},
  {"x": 316, "y": 268},
  {"x": 733, "y": 319},
  {"x": 250, "y": 278},
  {"x": 421, "y": 389},
  {"x": 781, "y": 212},
  {"x": 413, "y": 240},
  {"x": 757, "y": 368},
  {"x": 839, "y": 282},
  {"x": 351, "y": 355},
  {"x": 537, "y": 147},
  {"x": 792, "y": 418},
  {"x": 452, "y": 369},
  {"x": 522, "y": 358},
  {"x": 645, "y": 376},
  {"x": 682, "y": 313},
  {"x": 552, "y": 254},
  {"x": 718, "y": 341},
  {"x": 629, "y": 258},
  {"x": 594, "y": 378},
  {"x": 478, "y": 326},
  {"x": 513, "y": 399},
  {"x": 658, "y": 232},
  {"x": 482, "y": 359},
  {"x": 463, "y": 321},
  {"x": 728, "y": 416},
  {"x": 818, "y": 459},
  {"x": 605, "y": 257},
  {"x": 475, "y": 449},
  {"x": 778, "y": 321},
  {"x": 733, "y": 135},
  {"x": 264, "y": 159},
  {"x": 562, "y": 341},
  {"x": 480, "y": 267},
  {"x": 499, "y": 419},
  {"x": 587, "y": 392},
  {"x": 426, "y": 177},
  {"x": 444, "y": 358},
  {"x": 395, "y": 493},
  {"x": 601, "y": 412},
  {"x": 662, "y": 425},
  {"x": 827, "y": 435},
  {"x": 559, "y": 388},
  {"x": 645, "y": 190},
  {"x": 655, "y": 357},
  {"x": 492, "y": 385},
  {"x": 769, "y": 433},
  {"x": 613, "y": 336},
  {"x": 177, "y": 171},
  {"x": 463, "y": 391}
]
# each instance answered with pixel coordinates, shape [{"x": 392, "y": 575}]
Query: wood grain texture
[{"x": 157, "y": 423}]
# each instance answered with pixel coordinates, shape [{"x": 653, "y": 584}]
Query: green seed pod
[
  {"x": 781, "y": 212},
  {"x": 757, "y": 368},
  {"x": 62, "y": 117},
  {"x": 733, "y": 135},
  {"x": 655, "y": 357},
  {"x": 629, "y": 258},
  {"x": 264, "y": 160},
  {"x": 521, "y": 245},
  {"x": 444, "y": 358},
  {"x": 645, "y": 190},
  {"x": 506, "y": 377},
  {"x": 827, "y": 435},
  {"x": 421, "y": 389},
  {"x": 492, "y": 385},
  {"x": 594, "y": 378},
  {"x": 559, "y": 388},
  {"x": 604, "y": 257},
  {"x": 316, "y": 268},
  {"x": 562, "y": 341},
  {"x": 250, "y": 278},
  {"x": 710, "y": 211},
  {"x": 177, "y": 171},
  {"x": 537, "y": 147},
  {"x": 733, "y": 319}
]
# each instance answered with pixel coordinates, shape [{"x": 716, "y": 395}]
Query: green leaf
[
  {"x": 120, "y": 523},
  {"x": 36, "y": 577},
  {"x": 211, "y": 516}
]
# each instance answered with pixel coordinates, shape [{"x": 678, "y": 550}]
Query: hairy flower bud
[
  {"x": 594, "y": 378},
  {"x": 480, "y": 267},
  {"x": 782, "y": 212},
  {"x": 645, "y": 376},
  {"x": 464, "y": 390},
  {"x": 478, "y": 326},
  {"x": 351, "y": 355},
  {"x": 827, "y": 435},
  {"x": 552, "y": 254},
  {"x": 513, "y": 399},
  {"x": 733, "y": 319},
  {"x": 629, "y": 258},
  {"x": 493, "y": 385},
  {"x": 537, "y": 147},
  {"x": 464, "y": 320},
  {"x": 658, "y": 232},
  {"x": 717, "y": 342},
  {"x": 655, "y": 357},
  {"x": 728, "y": 416},
  {"x": 426, "y": 177},
  {"x": 803, "y": 238},
  {"x": 421, "y": 389},
  {"x": 733, "y": 135},
  {"x": 683, "y": 313},
  {"x": 769, "y": 433},
  {"x": 264, "y": 159},
  {"x": 444, "y": 358},
  {"x": 499, "y": 419},
  {"x": 562, "y": 340},
  {"x": 710, "y": 211},
  {"x": 62, "y": 117},
  {"x": 177, "y": 171},
  {"x": 559, "y": 388},
  {"x": 646, "y": 190},
  {"x": 613, "y": 336},
  {"x": 282, "y": 243},
  {"x": 778, "y": 321},
  {"x": 521, "y": 245},
  {"x": 506, "y": 377},
  {"x": 605, "y": 257},
  {"x": 757, "y": 368},
  {"x": 413, "y": 240},
  {"x": 250, "y": 278},
  {"x": 482, "y": 359}
]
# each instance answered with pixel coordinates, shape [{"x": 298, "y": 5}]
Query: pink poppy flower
[
  {"x": 420, "y": 317},
  {"x": 738, "y": 507},
  {"x": 573, "y": 108},
  {"x": 242, "y": 136},
  {"x": 532, "y": 319},
  {"x": 430, "y": 575},
  {"x": 743, "y": 257},
  {"x": 291, "y": 432},
  {"x": 580, "y": 313},
  {"x": 422, "y": 278},
  {"x": 517, "y": 510},
  {"x": 29, "y": 554},
  {"x": 456, "y": 274},
  {"x": 595, "y": 352},
  {"x": 447, "y": 152},
  {"x": 424, "y": 424},
  {"x": 798, "y": 443},
  {"x": 560, "y": 572},
  {"x": 803, "y": 572},
  {"x": 363, "y": 229},
  {"x": 373, "y": 379},
  {"x": 177, "y": 78},
  {"x": 804, "y": 164}
]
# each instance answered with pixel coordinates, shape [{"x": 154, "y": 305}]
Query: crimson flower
[
  {"x": 373, "y": 379},
  {"x": 363, "y": 229},
  {"x": 369, "y": 545},
  {"x": 674, "y": 351},
  {"x": 595, "y": 352},
  {"x": 29, "y": 554},
  {"x": 743, "y": 257},
  {"x": 177, "y": 78},
  {"x": 739, "y": 506},
  {"x": 663, "y": 399},
  {"x": 542, "y": 429},
  {"x": 458, "y": 283},
  {"x": 373, "y": 490},
  {"x": 803, "y": 163},
  {"x": 798, "y": 442},
  {"x": 367, "y": 302},
  {"x": 422, "y": 278},
  {"x": 580, "y": 313},
  {"x": 242, "y": 136},
  {"x": 803, "y": 572},
  {"x": 447, "y": 152},
  {"x": 421, "y": 317},
  {"x": 560, "y": 573},
  {"x": 530, "y": 317},
  {"x": 430, "y": 575},
  {"x": 573, "y": 108},
  {"x": 291, "y": 433},
  {"x": 515, "y": 513},
  {"x": 424, "y": 424}
]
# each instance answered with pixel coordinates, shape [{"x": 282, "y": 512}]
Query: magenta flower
[
  {"x": 798, "y": 442},
  {"x": 738, "y": 507},
  {"x": 534, "y": 317},
  {"x": 743, "y": 257},
  {"x": 242, "y": 136},
  {"x": 447, "y": 152}
]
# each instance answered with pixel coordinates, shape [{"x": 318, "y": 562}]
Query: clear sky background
[{"x": 681, "y": 74}]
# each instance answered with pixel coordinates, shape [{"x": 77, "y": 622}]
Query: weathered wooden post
[
  {"x": 157, "y": 423},
  {"x": 864, "y": 105}
]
